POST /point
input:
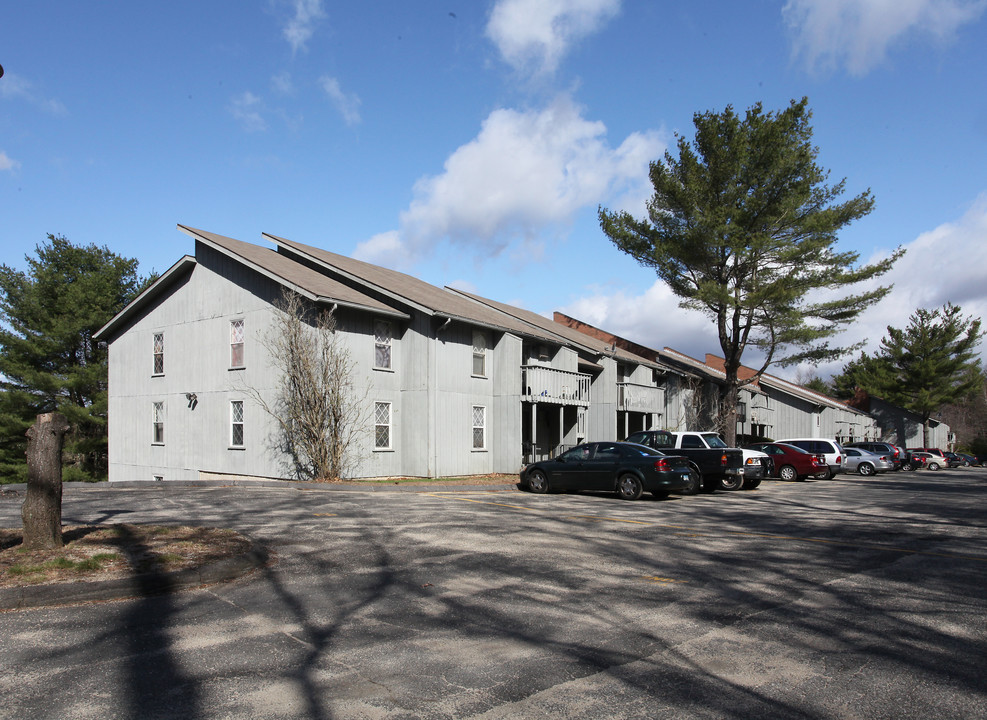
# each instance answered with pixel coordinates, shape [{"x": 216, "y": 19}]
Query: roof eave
[
  {"x": 167, "y": 278},
  {"x": 291, "y": 247}
]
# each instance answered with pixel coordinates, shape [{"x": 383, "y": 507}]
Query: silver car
[{"x": 865, "y": 462}]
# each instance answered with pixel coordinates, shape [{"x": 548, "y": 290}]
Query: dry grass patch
[{"x": 102, "y": 552}]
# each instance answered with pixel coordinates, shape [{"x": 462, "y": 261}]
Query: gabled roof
[
  {"x": 807, "y": 394},
  {"x": 169, "y": 277},
  {"x": 573, "y": 337},
  {"x": 411, "y": 291},
  {"x": 765, "y": 380},
  {"x": 692, "y": 363},
  {"x": 306, "y": 282},
  {"x": 611, "y": 340}
]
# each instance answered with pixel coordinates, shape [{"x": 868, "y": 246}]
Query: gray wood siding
[{"x": 195, "y": 320}]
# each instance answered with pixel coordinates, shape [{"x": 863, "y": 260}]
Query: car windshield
[{"x": 714, "y": 441}]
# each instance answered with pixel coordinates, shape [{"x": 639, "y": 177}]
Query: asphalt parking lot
[{"x": 850, "y": 598}]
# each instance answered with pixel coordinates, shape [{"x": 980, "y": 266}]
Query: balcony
[
  {"x": 640, "y": 398},
  {"x": 558, "y": 387}
]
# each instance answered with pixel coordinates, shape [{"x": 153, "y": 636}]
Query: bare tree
[
  {"x": 319, "y": 412},
  {"x": 702, "y": 407}
]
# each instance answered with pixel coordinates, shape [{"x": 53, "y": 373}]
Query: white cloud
[
  {"x": 347, "y": 104},
  {"x": 653, "y": 319},
  {"x": 15, "y": 87},
  {"x": 385, "y": 249},
  {"x": 7, "y": 163},
  {"x": 248, "y": 110},
  {"x": 534, "y": 35},
  {"x": 282, "y": 84},
  {"x": 858, "y": 33},
  {"x": 947, "y": 264},
  {"x": 526, "y": 171},
  {"x": 300, "y": 27}
]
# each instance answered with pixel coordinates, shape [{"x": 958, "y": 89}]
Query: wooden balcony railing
[
  {"x": 640, "y": 398},
  {"x": 558, "y": 387}
]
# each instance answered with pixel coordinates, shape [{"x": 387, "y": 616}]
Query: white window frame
[
  {"x": 157, "y": 423},
  {"x": 480, "y": 346},
  {"x": 479, "y": 424},
  {"x": 383, "y": 423},
  {"x": 383, "y": 344},
  {"x": 157, "y": 354},
  {"x": 235, "y": 423},
  {"x": 238, "y": 341}
]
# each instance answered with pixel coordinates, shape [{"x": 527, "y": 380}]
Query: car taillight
[
  {"x": 662, "y": 465},
  {"x": 818, "y": 460},
  {"x": 723, "y": 460}
]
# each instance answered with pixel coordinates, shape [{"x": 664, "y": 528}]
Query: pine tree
[
  {"x": 742, "y": 226},
  {"x": 48, "y": 359},
  {"x": 930, "y": 364}
]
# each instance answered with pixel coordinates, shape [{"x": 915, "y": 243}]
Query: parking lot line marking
[
  {"x": 657, "y": 579},
  {"x": 600, "y": 518}
]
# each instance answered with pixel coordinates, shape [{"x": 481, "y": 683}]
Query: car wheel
[
  {"x": 695, "y": 483},
  {"x": 933, "y": 466},
  {"x": 966, "y": 463},
  {"x": 865, "y": 469},
  {"x": 537, "y": 482},
  {"x": 751, "y": 483},
  {"x": 629, "y": 487},
  {"x": 732, "y": 482},
  {"x": 787, "y": 472}
]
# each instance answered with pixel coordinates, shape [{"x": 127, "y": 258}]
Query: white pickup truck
[{"x": 717, "y": 470}]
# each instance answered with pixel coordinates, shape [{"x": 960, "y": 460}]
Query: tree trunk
[
  {"x": 728, "y": 413},
  {"x": 41, "y": 513}
]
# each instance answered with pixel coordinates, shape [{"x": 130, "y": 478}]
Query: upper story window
[
  {"x": 236, "y": 344},
  {"x": 479, "y": 353},
  {"x": 159, "y": 353},
  {"x": 157, "y": 423},
  {"x": 383, "y": 333}
]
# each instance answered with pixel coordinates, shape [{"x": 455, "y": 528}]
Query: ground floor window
[
  {"x": 157, "y": 421},
  {"x": 236, "y": 423},
  {"x": 382, "y": 426},
  {"x": 479, "y": 427}
]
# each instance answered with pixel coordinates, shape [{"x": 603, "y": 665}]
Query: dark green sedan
[{"x": 625, "y": 468}]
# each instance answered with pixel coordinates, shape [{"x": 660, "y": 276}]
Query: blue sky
[{"x": 470, "y": 142}]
